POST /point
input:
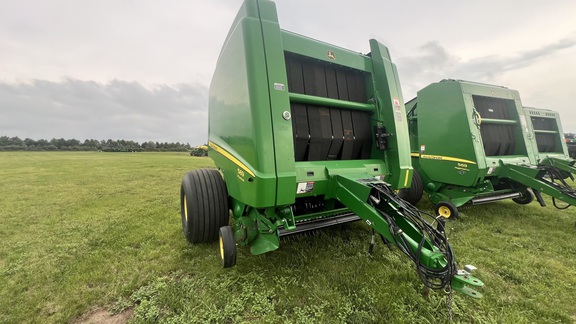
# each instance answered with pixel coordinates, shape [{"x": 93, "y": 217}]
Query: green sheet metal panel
[
  {"x": 241, "y": 134},
  {"x": 392, "y": 113},
  {"x": 446, "y": 135},
  {"x": 547, "y": 127}
]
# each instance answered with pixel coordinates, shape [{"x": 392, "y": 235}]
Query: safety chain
[{"x": 448, "y": 291}]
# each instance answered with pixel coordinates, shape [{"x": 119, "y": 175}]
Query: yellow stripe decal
[
  {"x": 442, "y": 158},
  {"x": 230, "y": 157},
  {"x": 406, "y": 180}
]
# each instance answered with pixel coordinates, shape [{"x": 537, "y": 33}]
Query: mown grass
[{"x": 85, "y": 230}]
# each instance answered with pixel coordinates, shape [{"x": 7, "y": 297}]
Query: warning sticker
[
  {"x": 397, "y": 110},
  {"x": 305, "y": 187}
]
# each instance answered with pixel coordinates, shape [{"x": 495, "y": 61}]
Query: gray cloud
[
  {"x": 171, "y": 51},
  {"x": 491, "y": 66},
  {"x": 433, "y": 63},
  {"x": 118, "y": 109}
]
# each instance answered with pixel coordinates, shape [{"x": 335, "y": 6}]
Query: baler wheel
[
  {"x": 227, "y": 247},
  {"x": 526, "y": 197},
  {"x": 203, "y": 205},
  {"x": 414, "y": 193},
  {"x": 447, "y": 210}
]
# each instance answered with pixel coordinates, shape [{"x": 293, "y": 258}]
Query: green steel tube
[
  {"x": 545, "y": 132},
  {"x": 321, "y": 101},
  {"x": 529, "y": 177},
  {"x": 498, "y": 121}
]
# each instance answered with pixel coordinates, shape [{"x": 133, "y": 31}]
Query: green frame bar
[
  {"x": 329, "y": 102},
  {"x": 545, "y": 132},
  {"x": 499, "y": 121}
]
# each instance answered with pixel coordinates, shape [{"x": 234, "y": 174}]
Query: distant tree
[
  {"x": 91, "y": 145},
  {"x": 17, "y": 141},
  {"x": 72, "y": 142},
  {"x": 59, "y": 144},
  {"x": 29, "y": 142},
  {"x": 11, "y": 144},
  {"x": 42, "y": 144},
  {"x": 149, "y": 146}
]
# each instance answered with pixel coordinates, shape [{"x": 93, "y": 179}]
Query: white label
[{"x": 305, "y": 187}]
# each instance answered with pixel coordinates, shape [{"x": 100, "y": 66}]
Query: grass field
[{"x": 83, "y": 231}]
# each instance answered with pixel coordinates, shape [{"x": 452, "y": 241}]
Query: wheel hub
[
  {"x": 444, "y": 211},
  {"x": 221, "y": 248},
  {"x": 185, "y": 209}
]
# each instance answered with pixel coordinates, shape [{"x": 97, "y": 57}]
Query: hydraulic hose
[{"x": 433, "y": 278}]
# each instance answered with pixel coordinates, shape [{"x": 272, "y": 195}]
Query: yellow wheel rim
[
  {"x": 185, "y": 209},
  {"x": 444, "y": 212},
  {"x": 221, "y": 248}
]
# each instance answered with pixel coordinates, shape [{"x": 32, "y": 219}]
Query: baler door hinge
[{"x": 381, "y": 137}]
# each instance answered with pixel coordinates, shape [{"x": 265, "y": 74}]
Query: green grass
[{"x": 85, "y": 230}]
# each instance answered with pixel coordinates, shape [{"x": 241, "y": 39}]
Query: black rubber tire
[
  {"x": 203, "y": 205},
  {"x": 414, "y": 193},
  {"x": 526, "y": 197},
  {"x": 227, "y": 247},
  {"x": 447, "y": 210}
]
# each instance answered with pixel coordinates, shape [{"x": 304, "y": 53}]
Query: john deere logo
[{"x": 331, "y": 55}]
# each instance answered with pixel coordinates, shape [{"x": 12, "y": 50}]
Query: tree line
[{"x": 61, "y": 144}]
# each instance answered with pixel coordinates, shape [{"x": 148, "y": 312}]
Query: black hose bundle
[
  {"x": 433, "y": 278},
  {"x": 557, "y": 174}
]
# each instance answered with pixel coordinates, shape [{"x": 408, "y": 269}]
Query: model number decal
[{"x": 240, "y": 174}]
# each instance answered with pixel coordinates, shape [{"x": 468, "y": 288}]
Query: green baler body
[
  {"x": 456, "y": 133},
  {"x": 474, "y": 143},
  {"x": 286, "y": 112},
  {"x": 309, "y": 135}
]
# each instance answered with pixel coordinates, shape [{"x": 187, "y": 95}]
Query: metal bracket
[
  {"x": 464, "y": 278},
  {"x": 381, "y": 137}
]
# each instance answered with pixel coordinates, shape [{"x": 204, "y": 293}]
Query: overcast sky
[{"x": 140, "y": 69}]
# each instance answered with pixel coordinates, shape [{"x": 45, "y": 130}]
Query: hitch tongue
[{"x": 463, "y": 278}]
